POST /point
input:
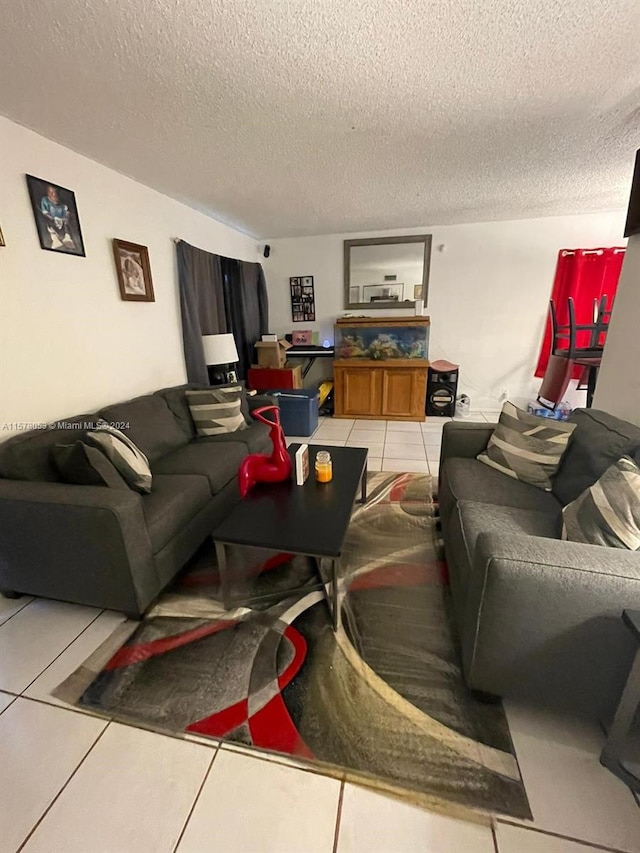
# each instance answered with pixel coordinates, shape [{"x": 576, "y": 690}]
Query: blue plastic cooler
[{"x": 298, "y": 411}]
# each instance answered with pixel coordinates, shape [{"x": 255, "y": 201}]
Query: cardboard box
[
  {"x": 274, "y": 378},
  {"x": 272, "y": 353}
]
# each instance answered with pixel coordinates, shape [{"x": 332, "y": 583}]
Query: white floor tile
[
  {"x": 74, "y": 656},
  {"x": 285, "y": 809},
  {"x": 10, "y": 606},
  {"x": 374, "y": 463},
  {"x": 40, "y": 746},
  {"x": 374, "y": 448},
  {"x": 403, "y": 426},
  {"x": 432, "y": 437},
  {"x": 133, "y": 792},
  {"x": 403, "y": 437},
  {"x": 405, "y": 465},
  {"x": 570, "y": 792},
  {"x": 378, "y": 824},
  {"x": 33, "y": 638},
  {"x": 370, "y": 424},
  {"x": 297, "y": 439},
  {"x": 404, "y": 451},
  {"x": 327, "y": 442},
  {"x": 514, "y": 839},
  {"x": 433, "y": 455},
  {"x": 367, "y": 434},
  {"x": 5, "y": 700},
  {"x": 340, "y": 421},
  {"x": 331, "y": 436},
  {"x": 434, "y": 423}
]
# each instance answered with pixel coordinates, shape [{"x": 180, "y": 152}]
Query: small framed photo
[
  {"x": 134, "y": 271},
  {"x": 56, "y": 215},
  {"x": 417, "y": 291}
]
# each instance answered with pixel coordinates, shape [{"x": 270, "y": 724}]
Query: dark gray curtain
[
  {"x": 202, "y": 304},
  {"x": 247, "y": 307}
]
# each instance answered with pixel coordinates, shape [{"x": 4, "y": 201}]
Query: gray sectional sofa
[
  {"x": 538, "y": 617},
  {"x": 117, "y": 548}
]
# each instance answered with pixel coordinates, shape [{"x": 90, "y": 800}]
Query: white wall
[
  {"x": 488, "y": 294},
  {"x": 68, "y": 343},
  {"x": 618, "y": 388}
]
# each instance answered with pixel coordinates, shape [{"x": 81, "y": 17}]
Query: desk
[{"x": 310, "y": 353}]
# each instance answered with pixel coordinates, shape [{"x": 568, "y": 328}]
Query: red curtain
[{"x": 584, "y": 274}]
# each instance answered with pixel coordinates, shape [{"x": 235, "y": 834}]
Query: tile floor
[
  {"x": 71, "y": 782},
  {"x": 392, "y": 445}
]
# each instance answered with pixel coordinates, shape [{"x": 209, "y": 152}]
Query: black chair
[{"x": 564, "y": 345}]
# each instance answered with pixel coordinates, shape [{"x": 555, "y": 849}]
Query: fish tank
[{"x": 379, "y": 342}]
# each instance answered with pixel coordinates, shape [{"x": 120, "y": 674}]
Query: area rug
[{"x": 381, "y": 701}]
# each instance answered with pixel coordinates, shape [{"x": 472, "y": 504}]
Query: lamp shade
[{"x": 219, "y": 349}]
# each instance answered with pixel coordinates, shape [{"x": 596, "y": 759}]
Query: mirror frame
[{"x": 382, "y": 241}]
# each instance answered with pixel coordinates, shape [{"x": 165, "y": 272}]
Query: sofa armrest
[
  {"x": 543, "y": 615},
  {"x": 464, "y": 439},
  {"x": 258, "y": 400},
  {"x": 86, "y": 544}
]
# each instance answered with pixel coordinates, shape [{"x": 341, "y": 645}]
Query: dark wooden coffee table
[
  {"x": 621, "y": 753},
  {"x": 311, "y": 520}
]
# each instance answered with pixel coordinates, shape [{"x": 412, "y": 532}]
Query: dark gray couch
[
  {"x": 110, "y": 547},
  {"x": 538, "y": 617}
]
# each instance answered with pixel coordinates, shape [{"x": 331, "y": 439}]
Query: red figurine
[{"x": 260, "y": 468}]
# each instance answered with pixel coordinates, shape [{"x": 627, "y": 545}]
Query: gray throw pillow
[
  {"x": 83, "y": 465},
  {"x": 217, "y": 410},
  {"x": 131, "y": 462},
  {"x": 608, "y": 512},
  {"x": 527, "y": 447}
]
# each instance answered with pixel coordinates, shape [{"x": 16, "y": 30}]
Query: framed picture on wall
[
  {"x": 303, "y": 301},
  {"x": 417, "y": 291},
  {"x": 56, "y": 216},
  {"x": 134, "y": 271}
]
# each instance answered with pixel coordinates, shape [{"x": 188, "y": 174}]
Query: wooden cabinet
[
  {"x": 374, "y": 389},
  {"x": 381, "y": 367}
]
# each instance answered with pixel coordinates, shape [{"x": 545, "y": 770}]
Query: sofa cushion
[
  {"x": 129, "y": 460},
  {"x": 526, "y": 447},
  {"x": 599, "y": 441},
  {"x": 179, "y": 407},
  {"x": 216, "y": 461},
  {"x": 468, "y": 479},
  {"x": 477, "y": 517},
  {"x": 149, "y": 423},
  {"x": 27, "y": 456},
  {"x": 607, "y": 513},
  {"x": 216, "y": 411},
  {"x": 171, "y": 504},
  {"x": 84, "y": 465},
  {"x": 255, "y": 437}
]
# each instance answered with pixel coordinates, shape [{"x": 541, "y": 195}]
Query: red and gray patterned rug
[{"x": 382, "y": 701}]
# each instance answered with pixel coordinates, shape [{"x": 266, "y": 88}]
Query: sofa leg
[{"x": 11, "y": 593}]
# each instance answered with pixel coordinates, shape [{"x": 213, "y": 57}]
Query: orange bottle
[{"x": 324, "y": 468}]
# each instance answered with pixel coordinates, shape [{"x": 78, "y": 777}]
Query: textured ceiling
[{"x": 291, "y": 117}]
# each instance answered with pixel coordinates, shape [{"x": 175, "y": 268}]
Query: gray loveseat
[
  {"x": 117, "y": 548},
  {"x": 538, "y": 617}
]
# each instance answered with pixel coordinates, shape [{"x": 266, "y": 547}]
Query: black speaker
[
  {"x": 267, "y": 251},
  {"x": 442, "y": 387}
]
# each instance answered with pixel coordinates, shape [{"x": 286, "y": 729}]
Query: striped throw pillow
[
  {"x": 131, "y": 462},
  {"x": 607, "y": 513},
  {"x": 217, "y": 410},
  {"x": 527, "y": 447}
]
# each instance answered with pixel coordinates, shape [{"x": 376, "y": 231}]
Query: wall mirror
[{"x": 386, "y": 272}]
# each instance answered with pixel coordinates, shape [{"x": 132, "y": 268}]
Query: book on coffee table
[{"x": 302, "y": 464}]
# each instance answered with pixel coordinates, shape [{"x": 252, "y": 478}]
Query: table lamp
[{"x": 220, "y": 352}]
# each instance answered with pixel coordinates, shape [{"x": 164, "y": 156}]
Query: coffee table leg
[
  {"x": 223, "y": 567},
  {"x": 335, "y": 603},
  {"x": 363, "y": 486},
  {"x": 611, "y": 755}
]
